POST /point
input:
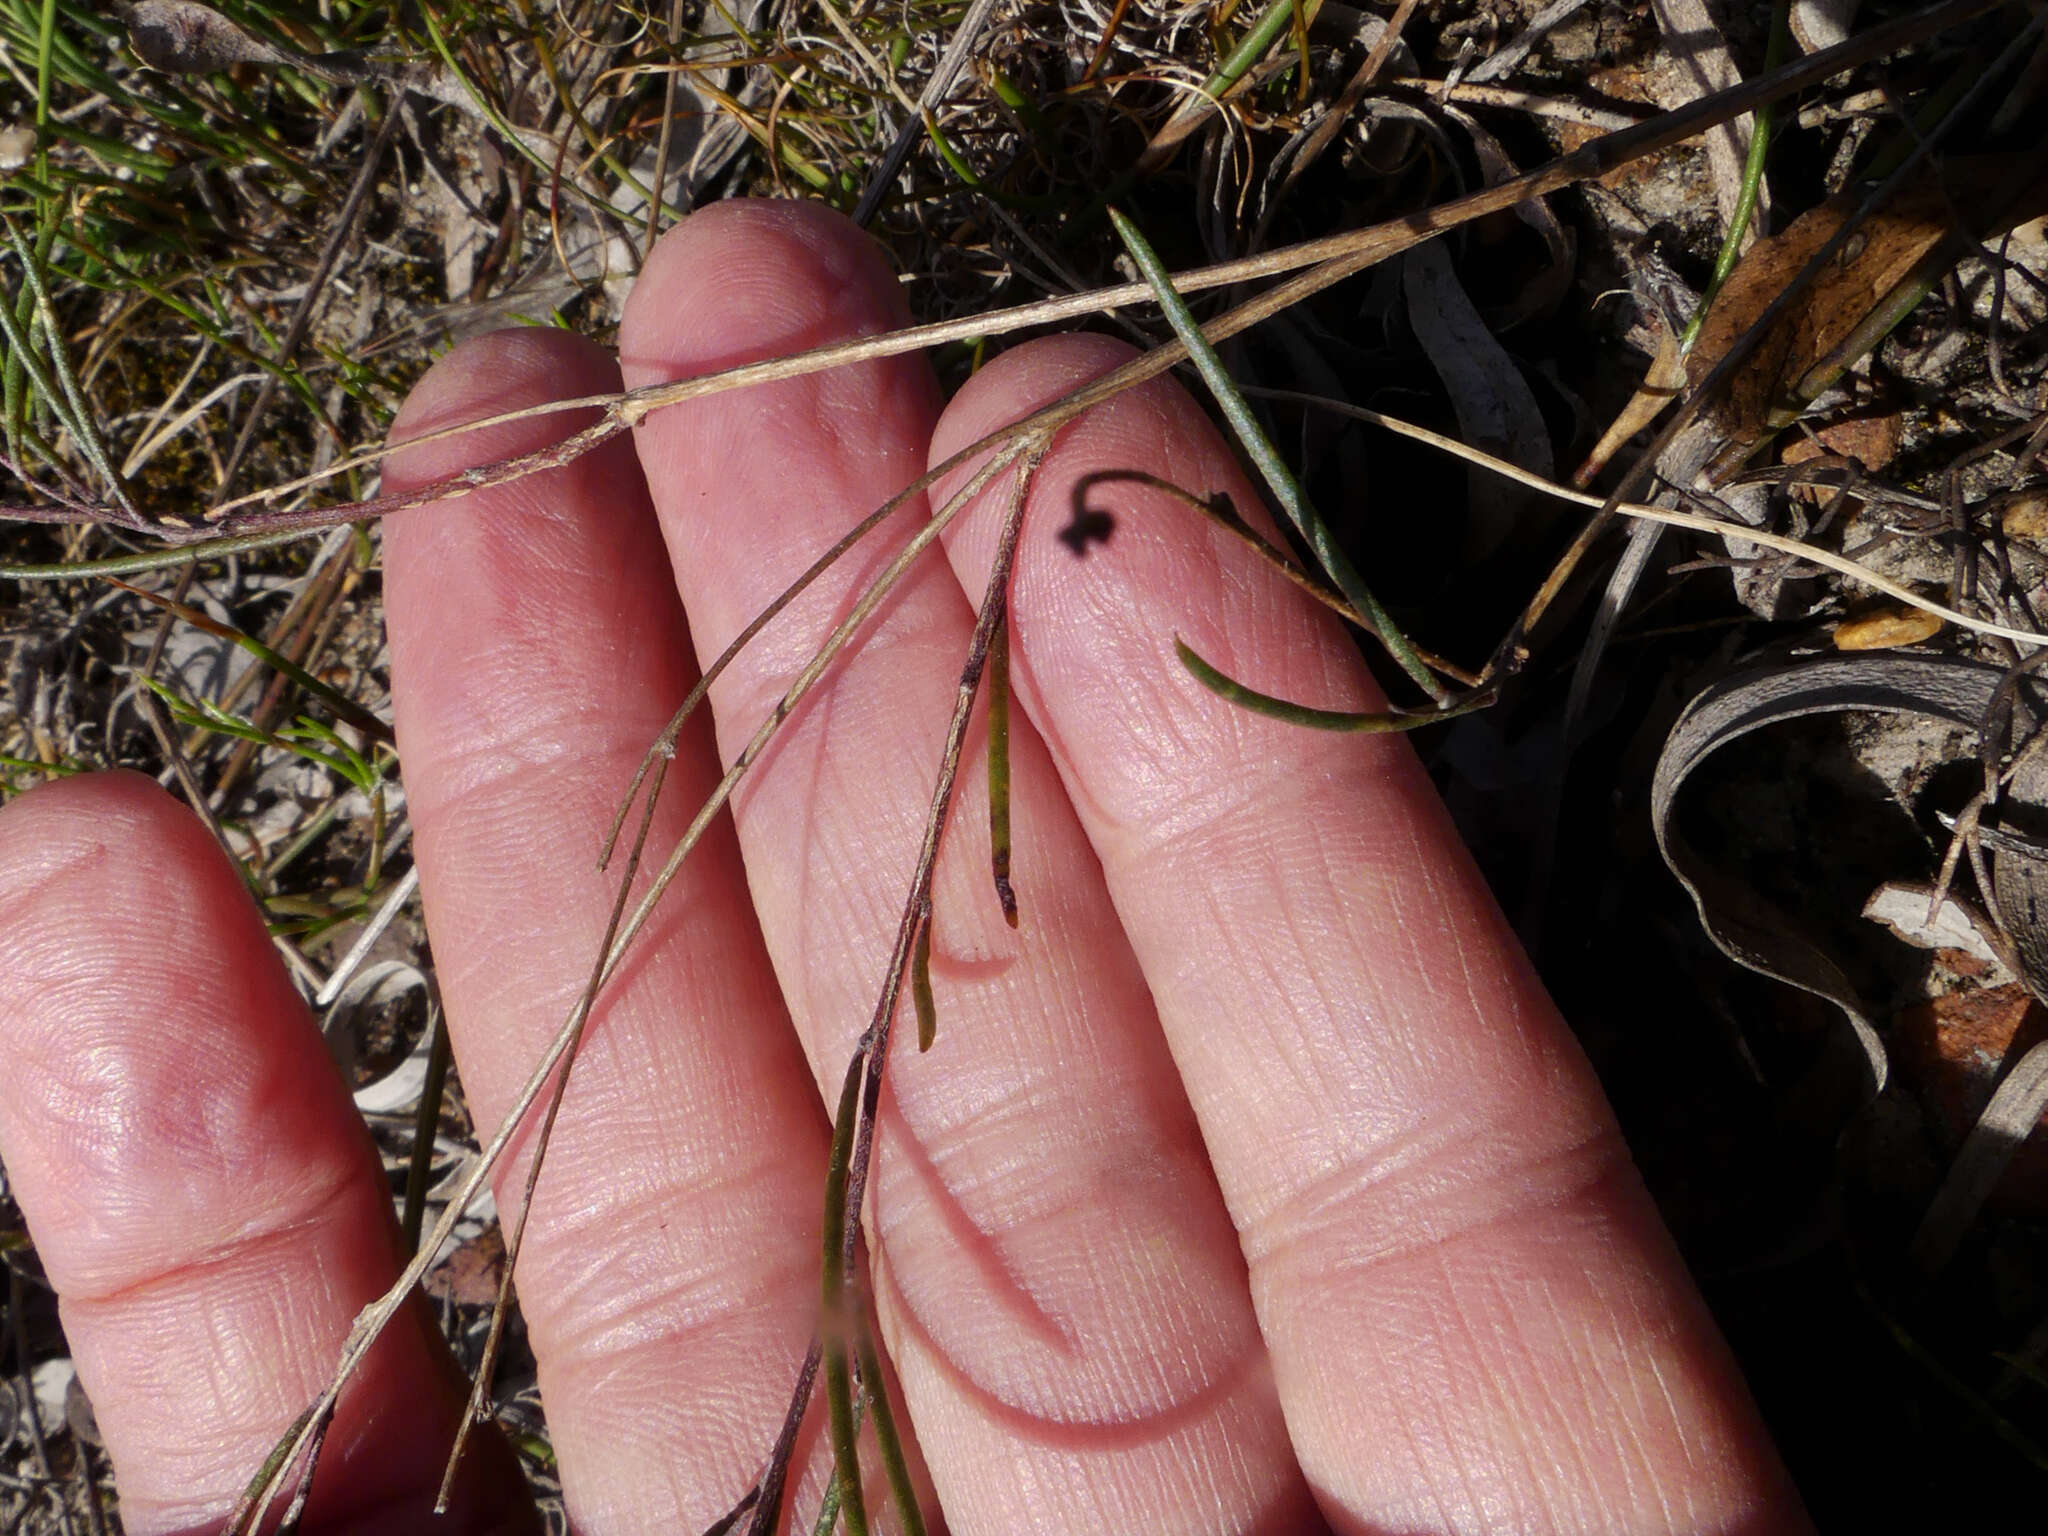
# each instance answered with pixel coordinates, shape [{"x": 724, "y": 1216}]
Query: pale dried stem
[{"x": 1699, "y": 522}]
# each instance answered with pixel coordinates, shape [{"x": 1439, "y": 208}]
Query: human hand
[{"x": 1253, "y": 1183}]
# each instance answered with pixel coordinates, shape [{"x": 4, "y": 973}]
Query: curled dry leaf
[
  {"x": 1740, "y": 925},
  {"x": 375, "y": 988},
  {"x": 1750, "y": 933}
]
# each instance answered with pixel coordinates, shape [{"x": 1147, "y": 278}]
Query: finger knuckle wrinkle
[
  {"x": 121, "y": 1266},
  {"x": 1444, "y": 1189},
  {"x": 610, "y": 1281}
]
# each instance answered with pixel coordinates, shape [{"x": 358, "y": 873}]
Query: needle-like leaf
[
  {"x": 1319, "y": 719},
  {"x": 1278, "y": 477},
  {"x": 998, "y": 773}
]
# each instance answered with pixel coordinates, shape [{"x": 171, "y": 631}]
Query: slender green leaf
[
  {"x": 999, "y": 767},
  {"x": 1279, "y": 479},
  {"x": 1318, "y": 719},
  {"x": 902, "y": 1493},
  {"x": 344, "y": 707},
  {"x": 1761, "y": 126}
]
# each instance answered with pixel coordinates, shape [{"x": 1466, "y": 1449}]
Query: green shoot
[{"x": 1279, "y": 479}]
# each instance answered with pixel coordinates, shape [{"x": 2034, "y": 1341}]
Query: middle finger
[{"x": 1061, "y": 1285}]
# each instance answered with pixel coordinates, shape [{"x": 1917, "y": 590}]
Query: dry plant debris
[{"x": 235, "y": 232}]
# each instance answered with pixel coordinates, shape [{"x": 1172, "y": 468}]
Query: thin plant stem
[
  {"x": 998, "y": 778},
  {"x": 426, "y": 1119},
  {"x": 1813, "y": 554},
  {"x": 515, "y": 1239},
  {"x": 873, "y": 1049},
  {"x": 1761, "y": 129},
  {"x": 765, "y": 1497},
  {"x": 837, "y": 1323}
]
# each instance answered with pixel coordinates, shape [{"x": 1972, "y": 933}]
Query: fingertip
[
  {"x": 65, "y": 820},
  {"x": 762, "y": 479},
  {"x": 750, "y": 277},
  {"x": 1024, "y": 378},
  {"x": 114, "y": 855}
]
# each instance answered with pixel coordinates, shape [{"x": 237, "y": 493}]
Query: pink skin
[{"x": 1253, "y": 1182}]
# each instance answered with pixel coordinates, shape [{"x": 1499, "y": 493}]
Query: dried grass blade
[
  {"x": 921, "y": 984},
  {"x": 665, "y": 744},
  {"x": 262, "y": 1486},
  {"x": 1812, "y": 553},
  {"x": 2007, "y": 1121}
]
